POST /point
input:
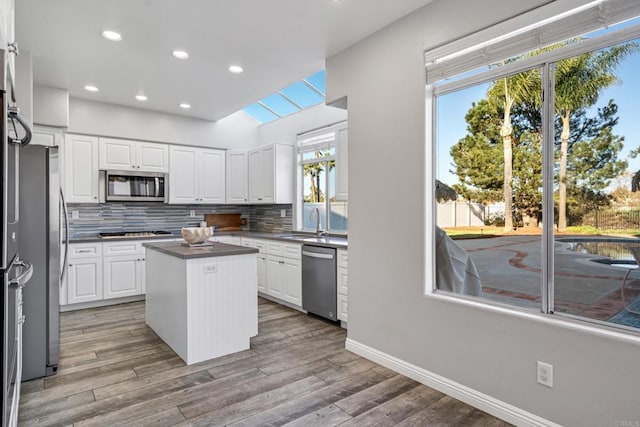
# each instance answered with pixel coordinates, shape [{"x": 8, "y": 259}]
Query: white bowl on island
[{"x": 196, "y": 235}]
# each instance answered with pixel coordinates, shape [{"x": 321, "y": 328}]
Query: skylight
[{"x": 298, "y": 96}]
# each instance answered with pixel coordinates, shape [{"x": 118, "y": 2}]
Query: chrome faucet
[{"x": 318, "y": 231}]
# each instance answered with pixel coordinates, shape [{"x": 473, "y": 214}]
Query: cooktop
[{"x": 133, "y": 234}]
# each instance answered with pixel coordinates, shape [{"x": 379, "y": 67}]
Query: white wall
[
  {"x": 96, "y": 118},
  {"x": 50, "y": 106},
  {"x": 597, "y": 377},
  {"x": 286, "y": 129}
]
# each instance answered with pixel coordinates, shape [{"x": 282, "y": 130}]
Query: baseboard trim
[
  {"x": 486, "y": 403},
  {"x": 100, "y": 303}
]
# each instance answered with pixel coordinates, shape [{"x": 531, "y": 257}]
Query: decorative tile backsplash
[{"x": 139, "y": 216}]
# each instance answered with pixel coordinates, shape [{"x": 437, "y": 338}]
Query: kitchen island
[{"x": 202, "y": 301}]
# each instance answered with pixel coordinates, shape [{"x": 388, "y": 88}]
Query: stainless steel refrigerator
[
  {"x": 40, "y": 243},
  {"x": 15, "y": 270}
]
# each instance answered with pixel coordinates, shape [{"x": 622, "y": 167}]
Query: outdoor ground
[{"x": 510, "y": 268}]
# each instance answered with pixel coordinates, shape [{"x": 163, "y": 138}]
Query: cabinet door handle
[
  {"x": 95, "y": 197},
  {"x": 133, "y": 166}
]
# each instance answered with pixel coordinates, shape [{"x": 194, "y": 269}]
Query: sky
[{"x": 452, "y": 108}]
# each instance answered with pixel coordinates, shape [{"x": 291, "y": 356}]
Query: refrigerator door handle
[
  {"x": 22, "y": 279},
  {"x": 66, "y": 238}
]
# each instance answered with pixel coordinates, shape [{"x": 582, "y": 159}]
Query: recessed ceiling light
[
  {"x": 111, "y": 35},
  {"x": 236, "y": 69},
  {"x": 141, "y": 97},
  {"x": 91, "y": 88},
  {"x": 185, "y": 105},
  {"x": 180, "y": 54}
]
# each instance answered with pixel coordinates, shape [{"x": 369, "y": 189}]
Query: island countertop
[{"x": 178, "y": 250}]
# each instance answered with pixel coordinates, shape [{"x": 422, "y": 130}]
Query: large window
[
  {"x": 321, "y": 204},
  {"x": 536, "y": 202}
]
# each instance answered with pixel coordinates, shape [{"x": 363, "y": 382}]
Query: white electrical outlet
[
  {"x": 283, "y": 213},
  {"x": 75, "y": 214},
  {"x": 192, "y": 213},
  {"x": 545, "y": 374},
  {"x": 210, "y": 268}
]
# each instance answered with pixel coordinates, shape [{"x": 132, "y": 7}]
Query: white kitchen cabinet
[
  {"x": 275, "y": 276},
  {"x": 84, "y": 280},
  {"x": 81, "y": 169},
  {"x": 271, "y": 174},
  {"x": 279, "y": 270},
  {"x": 121, "y": 276},
  {"x": 212, "y": 176},
  {"x": 237, "y": 177},
  {"x": 152, "y": 157},
  {"x": 342, "y": 163},
  {"x": 342, "y": 276},
  {"x": 197, "y": 175},
  {"x": 262, "y": 272},
  {"x": 292, "y": 285},
  {"x": 124, "y": 155}
]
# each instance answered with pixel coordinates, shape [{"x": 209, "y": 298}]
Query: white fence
[{"x": 460, "y": 214}]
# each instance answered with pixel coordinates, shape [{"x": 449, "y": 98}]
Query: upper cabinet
[
  {"x": 271, "y": 174},
  {"x": 342, "y": 165},
  {"x": 120, "y": 154},
  {"x": 237, "y": 177},
  {"x": 81, "y": 169},
  {"x": 197, "y": 175}
]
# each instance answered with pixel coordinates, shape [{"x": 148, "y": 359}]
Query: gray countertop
[
  {"x": 338, "y": 242},
  {"x": 217, "y": 249}
]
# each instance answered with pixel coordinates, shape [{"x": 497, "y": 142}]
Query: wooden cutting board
[{"x": 224, "y": 221}]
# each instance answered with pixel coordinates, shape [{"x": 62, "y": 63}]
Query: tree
[
  {"x": 578, "y": 83},
  {"x": 511, "y": 115},
  {"x": 314, "y": 172}
]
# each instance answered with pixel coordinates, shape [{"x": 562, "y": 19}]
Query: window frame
[
  {"x": 546, "y": 63},
  {"x": 305, "y": 146}
]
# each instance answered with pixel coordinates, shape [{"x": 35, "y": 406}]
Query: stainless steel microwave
[{"x": 126, "y": 186}]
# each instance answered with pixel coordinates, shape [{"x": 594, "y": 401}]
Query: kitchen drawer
[
  {"x": 85, "y": 250},
  {"x": 343, "y": 307},
  {"x": 343, "y": 258},
  {"x": 261, "y": 245},
  {"x": 130, "y": 247},
  {"x": 292, "y": 251},
  {"x": 274, "y": 248},
  {"x": 250, "y": 243},
  {"x": 343, "y": 276}
]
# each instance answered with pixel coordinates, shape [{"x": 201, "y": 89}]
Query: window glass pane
[
  {"x": 314, "y": 192},
  {"x": 597, "y": 210},
  {"x": 278, "y": 104},
  {"x": 308, "y": 155},
  {"x": 488, "y": 240},
  {"x": 317, "y": 80},
  {"x": 302, "y": 95},
  {"x": 259, "y": 113}
]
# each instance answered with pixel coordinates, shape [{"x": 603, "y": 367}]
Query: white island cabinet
[{"x": 202, "y": 301}]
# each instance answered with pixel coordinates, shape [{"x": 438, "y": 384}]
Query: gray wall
[
  {"x": 597, "y": 377},
  {"x": 97, "y": 118}
]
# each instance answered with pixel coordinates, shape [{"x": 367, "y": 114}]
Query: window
[
  {"x": 535, "y": 157},
  {"x": 298, "y": 96},
  {"x": 320, "y": 203}
]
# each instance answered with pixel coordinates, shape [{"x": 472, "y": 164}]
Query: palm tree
[
  {"x": 578, "y": 83},
  {"x": 509, "y": 91}
]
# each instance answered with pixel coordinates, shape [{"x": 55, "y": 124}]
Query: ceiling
[{"x": 277, "y": 42}]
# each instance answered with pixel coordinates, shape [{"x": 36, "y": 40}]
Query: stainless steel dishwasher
[{"x": 319, "y": 281}]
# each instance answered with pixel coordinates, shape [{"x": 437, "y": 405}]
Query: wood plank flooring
[{"x": 114, "y": 371}]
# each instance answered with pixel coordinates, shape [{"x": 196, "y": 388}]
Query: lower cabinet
[
  {"x": 342, "y": 276},
  {"x": 104, "y": 270},
  {"x": 279, "y": 270},
  {"x": 123, "y": 276},
  {"x": 84, "y": 280}
]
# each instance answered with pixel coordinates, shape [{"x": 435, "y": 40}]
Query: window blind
[{"x": 463, "y": 55}]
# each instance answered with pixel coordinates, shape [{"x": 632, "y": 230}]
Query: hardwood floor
[{"x": 115, "y": 371}]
